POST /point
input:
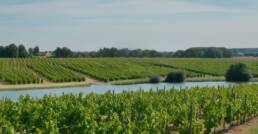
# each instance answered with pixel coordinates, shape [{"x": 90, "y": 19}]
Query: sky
[{"x": 163, "y": 25}]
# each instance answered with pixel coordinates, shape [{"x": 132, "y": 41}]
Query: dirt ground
[{"x": 245, "y": 128}]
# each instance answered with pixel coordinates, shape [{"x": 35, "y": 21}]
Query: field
[
  {"x": 53, "y": 71},
  {"x": 216, "y": 67},
  {"x": 38, "y": 70},
  {"x": 15, "y": 71},
  {"x": 161, "y": 111}
]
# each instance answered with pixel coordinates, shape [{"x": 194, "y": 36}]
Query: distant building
[{"x": 46, "y": 54}]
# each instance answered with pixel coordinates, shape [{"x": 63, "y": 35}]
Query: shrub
[
  {"x": 177, "y": 76},
  {"x": 238, "y": 73},
  {"x": 154, "y": 78}
]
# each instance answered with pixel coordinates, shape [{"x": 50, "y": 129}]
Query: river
[{"x": 102, "y": 88}]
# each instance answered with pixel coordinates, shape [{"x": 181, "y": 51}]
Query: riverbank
[
  {"x": 91, "y": 81},
  {"x": 47, "y": 84},
  {"x": 42, "y": 85},
  {"x": 190, "y": 79}
]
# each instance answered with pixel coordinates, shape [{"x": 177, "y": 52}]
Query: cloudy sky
[{"x": 164, "y": 25}]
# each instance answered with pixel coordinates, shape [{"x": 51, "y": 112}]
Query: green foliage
[
  {"x": 35, "y": 51},
  {"x": 53, "y": 71},
  {"x": 154, "y": 78},
  {"x": 125, "y": 52},
  {"x": 63, "y": 52},
  {"x": 22, "y": 52},
  {"x": 205, "y": 52},
  {"x": 176, "y": 76},
  {"x": 15, "y": 71},
  {"x": 110, "y": 69},
  {"x": 13, "y": 51},
  {"x": 165, "y": 111},
  {"x": 215, "y": 67},
  {"x": 238, "y": 72},
  {"x": 33, "y": 70}
]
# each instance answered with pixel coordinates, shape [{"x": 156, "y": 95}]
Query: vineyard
[
  {"x": 15, "y": 72},
  {"x": 216, "y": 67},
  {"x": 115, "y": 69},
  {"x": 38, "y": 70},
  {"x": 196, "y": 110},
  {"x": 53, "y": 71}
]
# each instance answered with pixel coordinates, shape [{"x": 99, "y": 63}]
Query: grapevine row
[{"x": 194, "y": 110}]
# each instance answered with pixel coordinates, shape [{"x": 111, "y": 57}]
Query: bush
[
  {"x": 238, "y": 73},
  {"x": 154, "y": 78},
  {"x": 177, "y": 76}
]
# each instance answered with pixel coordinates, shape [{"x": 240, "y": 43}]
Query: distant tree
[
  {"x": 179, "y": 53},
  {"x": 176, "y": 76},
  {"x": 238, "y": 73},
  {"x": 15, "y": 51},
  {"x": 2, "y": 51},
  {"x": 30, "y": 51},
  {"x": 227, "y": 53},
  {"x": 63, "y": 52},
  {"x": 125, "y": 52},
  {"x": 67, "y": 52},
  {"x": 36, "y": 51},
  {"x": 205, "y": 52},
  {"x": 213, "y": 53},
  {"x": 108, "y": 52},
  {"x": 11, "y": 51},
  {"x": 136, "y": 53},
  {"x": 154, "y": 78},
  {"x": 58, "y": 52},
  {"x": 22, "y": 52}
]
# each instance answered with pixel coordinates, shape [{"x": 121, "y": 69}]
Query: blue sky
[{"x": 164, "y": 25}]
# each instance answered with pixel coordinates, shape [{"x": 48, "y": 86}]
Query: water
[{"x": 100, "y": 89}]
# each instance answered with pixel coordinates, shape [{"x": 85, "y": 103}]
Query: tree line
[
  {"x": 200, "y": 52},
  {"x": 20, "y": 51},
  {"x": 13, "y": 50},
  {"x": 125, "y": 52},
  {"x": 205, "y": 52}
]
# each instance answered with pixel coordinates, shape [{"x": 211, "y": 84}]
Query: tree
[
  {"x": 30, "y": 51},
  {"x": 2, "y": 51},
  {"x": 67, "y": 52},
  {"x": 11, "y": 51},
  {"x": 205, "y": 52},
  {"x": 238, "y": 73},
  {"x": 213, "y": 53},
  {"x": 154, "y": 78},
  {"x": 177, "y": 76},
  {"x": 36, "y": 51},
  {"x": 22, "y": 52},
  {"x": 63, "y": 52}
]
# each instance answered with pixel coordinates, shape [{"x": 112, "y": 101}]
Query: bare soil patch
[{"x": 244, "y": 128}]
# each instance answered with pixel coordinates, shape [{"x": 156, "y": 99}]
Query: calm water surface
[{"x": 100, "y": 89}]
